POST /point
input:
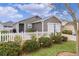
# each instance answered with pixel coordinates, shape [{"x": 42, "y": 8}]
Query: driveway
[{"x": 70, "y": 37}]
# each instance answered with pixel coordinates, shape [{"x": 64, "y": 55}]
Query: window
[{"x": 29, "y": 25}]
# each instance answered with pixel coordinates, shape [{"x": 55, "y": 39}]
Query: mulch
[{"x": 66, "y": 54}]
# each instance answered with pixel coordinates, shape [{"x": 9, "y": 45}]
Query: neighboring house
[
  {"x": 8, "y": 26},
  {"x": 51, "y": 24},
  {"x": 64, "y": 22},
  {"x": 69, "y": 26}
]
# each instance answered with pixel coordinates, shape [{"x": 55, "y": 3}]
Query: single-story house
[
  {"x": 7, "y": 26},
  {"x": 64, "y": 22},
  {"x": 51, "y": 24},
  {"x": 69, "y": 26}
]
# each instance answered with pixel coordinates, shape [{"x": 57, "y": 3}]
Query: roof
[
  {"x": 46, "y": 19},
  {"x": 69, "y": 23},
  {"x": 35, "y": 19},
  {"x": 30, "y": 20},
  {"x": 53, "y": 17}
]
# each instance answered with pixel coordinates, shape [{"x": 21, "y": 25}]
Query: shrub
[
  {"x": 31, "y": 45},
  {"x": 18, "y": 39},
  {"x": 64, "y": 39},
  {"x": 33, "y": 37},
  {"x": 30, "y": 30},
  {"x": 9, "y": 49},
  {"x": 45, "y": 42},
  {"x": 4, "y": 31},
  {"x": 56, "y": 38},
  {"x": 67, "y": 32}
]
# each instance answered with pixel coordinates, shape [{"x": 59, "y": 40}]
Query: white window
[
  {"x": 54, "y": 27},
  {"x": 29, "y": 25}
]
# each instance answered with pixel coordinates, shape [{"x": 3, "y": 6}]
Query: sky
[{"x": 20, "y": 11}]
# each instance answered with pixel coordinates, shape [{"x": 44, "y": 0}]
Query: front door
[{"x": 21, "y": 27}]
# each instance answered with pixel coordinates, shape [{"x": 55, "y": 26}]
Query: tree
[{"x": 73, "y": 14}]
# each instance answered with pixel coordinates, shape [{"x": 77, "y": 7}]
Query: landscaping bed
[
  {"x": 69, "y": 46},
  {"x": 44, "y": 46}
]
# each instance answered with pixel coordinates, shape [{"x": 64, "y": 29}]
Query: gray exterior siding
[{"x": 37, "y": 26}]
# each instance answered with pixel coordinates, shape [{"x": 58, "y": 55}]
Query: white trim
[
  {"x": 17, "y": 28},
  {"x": 24, "y": 27},
  {"x": 42, "y": 26}
]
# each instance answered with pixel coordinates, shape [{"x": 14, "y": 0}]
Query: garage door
[{"x": 52, "y": 27}]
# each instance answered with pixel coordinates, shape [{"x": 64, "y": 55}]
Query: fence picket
[{"x": 5, "y": 37}]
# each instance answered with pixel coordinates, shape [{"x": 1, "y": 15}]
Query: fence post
[{"x": 0, "y": 36}]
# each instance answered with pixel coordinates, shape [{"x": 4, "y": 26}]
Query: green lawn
[{"x": 56, "y": 48}]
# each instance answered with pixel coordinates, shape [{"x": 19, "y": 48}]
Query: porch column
[
  {"x": 42, "y": 26},
  {"x": 24, "y": 27}
]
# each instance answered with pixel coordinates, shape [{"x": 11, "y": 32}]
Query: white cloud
[
  {"x": 65, "y": 13},
  {"x": 36, "y": 9},
  {"x": 10, "y": 13}
]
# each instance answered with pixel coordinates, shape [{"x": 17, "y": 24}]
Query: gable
[{"x": 53, "y": 19}]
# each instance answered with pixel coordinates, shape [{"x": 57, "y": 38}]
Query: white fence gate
[{"x": 5, "y": 37}]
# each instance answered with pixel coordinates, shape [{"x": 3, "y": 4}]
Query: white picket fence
[{"x": 5, "y": 37}]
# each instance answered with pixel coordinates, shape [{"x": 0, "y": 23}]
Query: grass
[{"x": 54, "y": 49}]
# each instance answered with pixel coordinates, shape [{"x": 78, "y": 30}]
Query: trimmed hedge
[
  {"x": 30, "y": 30},
  {"x": 45, "y": 42},
  {"x": 9, "y": 49},
  {"x": 67, "y": 32},
  {"x": 30, "y": 46}
]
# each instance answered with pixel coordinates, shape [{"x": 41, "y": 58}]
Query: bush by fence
[
  {"x": 56, "y": 38},
  {"x": 45, "y": 42},
  {"x": 9, "y": 49}
]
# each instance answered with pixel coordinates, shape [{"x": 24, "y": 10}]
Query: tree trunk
[{"x": 77, "y": 37}]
